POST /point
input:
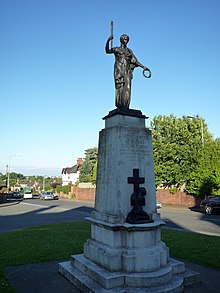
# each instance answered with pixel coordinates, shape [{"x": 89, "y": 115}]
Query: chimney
[{"x": 79, "y": 162}]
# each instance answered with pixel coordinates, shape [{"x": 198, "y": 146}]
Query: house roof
[
  {"x": 69, "y": 170},
  {"x": 30, "y": 184},
  {"x": 17, "y": 185}
]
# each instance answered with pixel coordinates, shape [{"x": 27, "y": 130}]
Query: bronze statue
[{"x": 125, "y": 63}]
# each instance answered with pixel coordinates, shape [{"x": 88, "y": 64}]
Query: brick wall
[
  {"x": 164, "y": 196},
  {"x": 179, "y": 198},
  {"x": 83, "y": 193}
]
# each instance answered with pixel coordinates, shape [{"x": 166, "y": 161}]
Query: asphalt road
[
  {"x": 20, "y": 214},
  {"x": 17, "y": 214},
  {"x": 190, "y": 219}
]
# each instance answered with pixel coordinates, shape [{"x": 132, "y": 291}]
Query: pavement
[{"x": 45, "y": 278}]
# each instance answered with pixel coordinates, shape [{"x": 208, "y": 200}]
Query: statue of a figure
[{"x": 125, "y": 63}]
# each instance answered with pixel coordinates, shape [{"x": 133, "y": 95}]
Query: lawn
[{"x": 59, "y": 241}]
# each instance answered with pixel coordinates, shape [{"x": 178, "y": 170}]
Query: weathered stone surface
[
  {"x": 125, "y": 144},
  {"x": 128, "y": 247},
  {"x": 88, "y": 279},
  {"x": 122, "y": 257}
]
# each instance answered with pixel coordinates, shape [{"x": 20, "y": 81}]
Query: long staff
[{"x": 111, "y": 29}]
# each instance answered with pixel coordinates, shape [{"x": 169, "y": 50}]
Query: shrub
[{"x": 65, "y": 189}]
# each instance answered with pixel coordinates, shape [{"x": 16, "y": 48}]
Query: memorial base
[
  {"x": 126, "y": 258},
  {"x": 120, "y": 256}
]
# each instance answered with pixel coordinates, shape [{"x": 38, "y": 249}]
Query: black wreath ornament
[{"x": 146, "y": 71}]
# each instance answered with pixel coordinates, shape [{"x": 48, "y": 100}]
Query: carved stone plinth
[{"x": 119, "y": 256}]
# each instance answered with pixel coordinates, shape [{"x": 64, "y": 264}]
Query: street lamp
[
  {"x": 44, "y": 182},
  {"x": 201, "y": 125},
  {"x": 8, "y": 170}
]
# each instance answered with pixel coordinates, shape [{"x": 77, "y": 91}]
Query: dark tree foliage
[
  {"x": 185, "y": 154},
  {"x": 87, "y": 169},
  {"x": 14, "y": 175},
  {"x": 205, "y": 179}
]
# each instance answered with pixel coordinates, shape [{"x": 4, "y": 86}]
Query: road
[
  {"x": 16, "y": 215},
  {"x": 34, "y": 212},
  {"x": 191, "y": 220}
]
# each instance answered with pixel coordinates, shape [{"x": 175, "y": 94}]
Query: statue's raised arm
[{"x": 107, "y": 49}]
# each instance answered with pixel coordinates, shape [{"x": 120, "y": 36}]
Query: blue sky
[{"x": 56, "y": 82}]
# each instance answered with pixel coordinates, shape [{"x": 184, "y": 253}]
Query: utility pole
[{"x": 8, "y": 170}]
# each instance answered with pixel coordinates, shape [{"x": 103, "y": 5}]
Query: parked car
[
  {"x": 17, "y": 195},
  {"x": 10, "y": 195},
  {"x": 159, "y": 205},
  {"x": 48, "y": 195},
  {"x": 27, "y": 194},
  {"x": 210, "y": 205}
]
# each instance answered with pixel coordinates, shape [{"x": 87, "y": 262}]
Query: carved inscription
[
  {"x": 124, "y": 144},
  {"x": 134, "y": 144}
]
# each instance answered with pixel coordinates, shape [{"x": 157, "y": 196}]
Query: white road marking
[
  {"x": 33, "y": 204},
  {"x": 52, "y": 209}
]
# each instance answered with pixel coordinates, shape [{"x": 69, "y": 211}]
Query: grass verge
[
  {"x": 194, "y": 247},
  {"x": 38, "y": 244},
  {"x": 59, "y": 241}
]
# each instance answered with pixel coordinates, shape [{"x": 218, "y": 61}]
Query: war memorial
[{"x": 125, "y": 252}]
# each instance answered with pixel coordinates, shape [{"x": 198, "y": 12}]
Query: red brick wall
[
  {"x": 179, "y": 198},
  {"x": 164, "y": 196},
  {"x": 83, "y": 193}
]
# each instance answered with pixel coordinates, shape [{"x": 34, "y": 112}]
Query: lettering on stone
[{"x": 133, "y": 146}]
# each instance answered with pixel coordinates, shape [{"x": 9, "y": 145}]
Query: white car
[
  {"x": 48, "y": 195},
  {"x": 27, "y": 194},
  {"x": 159, "y": 205}
]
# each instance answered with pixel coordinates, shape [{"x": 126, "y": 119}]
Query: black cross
[{"x": 136, "y": 180}]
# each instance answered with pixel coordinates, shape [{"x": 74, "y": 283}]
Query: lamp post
[
  {"x": 8, "y": 171},
  {"x": 201, "y": 125},
  {"x": 44, "y": 182}
]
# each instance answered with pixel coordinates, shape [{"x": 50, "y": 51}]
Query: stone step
[
  {"x": 178, "y": 266},
  {"x": 105, "y": 278},
  {"x": 87, "y": 285},
  {"x": 113, "y": 279},
  {"x": 190, "y": 277}
]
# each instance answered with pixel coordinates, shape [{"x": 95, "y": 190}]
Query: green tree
[
  {"x": 94, "y": 172},
  {"x": 176, "y": 149},
  {"x": 181, "y": 158},
  {"x": 87, "y": 168},
  {"x": 205, "y": 179},
  {"x": 2, "y": 179},
  {"x": 14, "y": 175},
  {"x": 65, "y": 189}
]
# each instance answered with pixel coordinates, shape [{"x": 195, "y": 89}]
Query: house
[{"x": 70, "y": 175}]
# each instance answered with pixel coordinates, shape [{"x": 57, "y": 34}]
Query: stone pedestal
[
  {"x": 122, "y": 257},
  {"x": 125, "y": 144}
]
